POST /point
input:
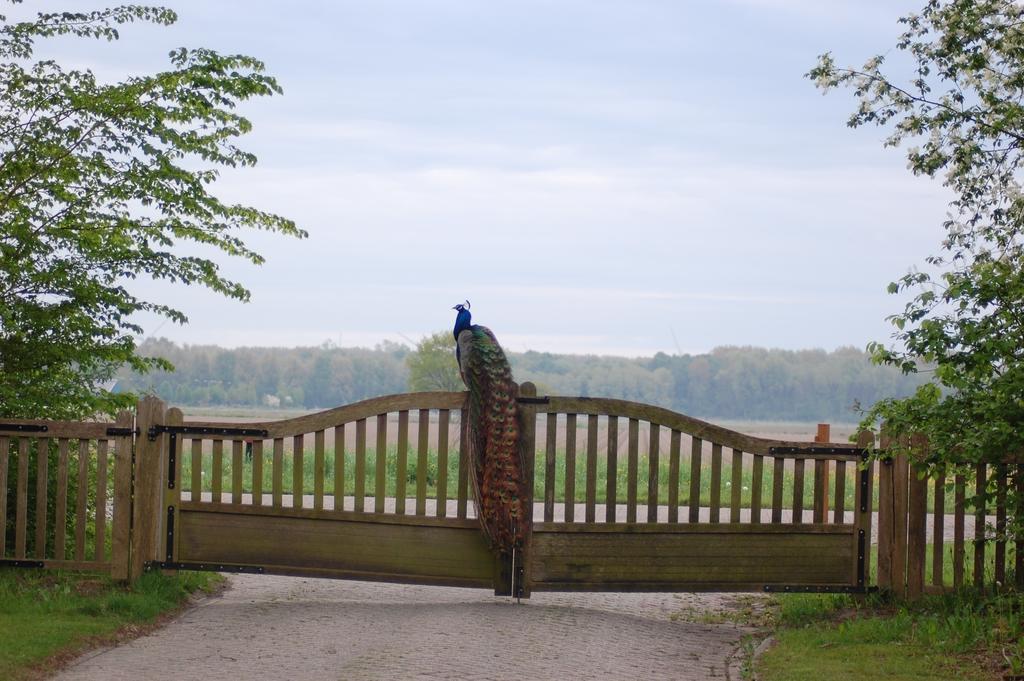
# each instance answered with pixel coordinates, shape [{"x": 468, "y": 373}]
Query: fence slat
[
  {"x": 81, "y": 498},
  {"x": 464, "y": 465},
  {"x": 319, "y": 470},
  {"x": 673, "y": 477},
  {"x": 938, "y": 527},
  {"x": 862, "y": 518},
  {"x": 778, "y": 476},
  {"x": 120, "y": 540},
  {"x": 591, "y": 512},
  {"x": 381, "y": 466},
  {"x": 21, "y": 500},
  {"x": 216, "y": 485},
  {"x": 277, "y": 474},
  {"x": 339, "y": 467},
  {"x": 839, "y": 507},
  {"x": 979, "y": 525},
  {"x": 799, "y": 466},
  {"x": 101, "y": 500},
  {"x": 901, "y": 487},
  {"x": 886, "y": 513},
  {"x": 196, "y": 483},
  {"x": 756, "y": 486},
  {"x": 631, "y": 469},
  {"x": 736, "y": 484},
  {"x": 917, "y": 508},
  {"x": 402, "y": 462},
  {"x": 298, "y": 470},
  {"x": 611, "y": 502},
  {"x": 257, "y": 472},
  {"x": 42, "y": 482},
  {"x": 443, "y": 417},
  {"x": 5, "y": 446},
  {"x": 716, "y": 482},
  {"x": 60, "y": 511},
  {"x": 653, "y": 454},
  {"x": 959, "y": 509},
  {"x": 422, "y": 440},
  {"x": 570, "y": 468},
  {"x": 237, "y": 465},
  {"x": 696, "y": 449},
  {"x": 360, "y": 470},
  {"x": 820, "y": 492},
  {"x": 551, "y": 442},
  {"x": 1000, "y": 553}
]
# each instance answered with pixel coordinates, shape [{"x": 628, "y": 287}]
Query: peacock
[{"x": 497, "y": 461}]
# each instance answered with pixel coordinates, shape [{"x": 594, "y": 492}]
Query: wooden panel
[
  {"x": 101, "y": 500},
  {"x": 257, "y": 472},
  {"x": 673, "y": 477},
  {"x": 422, "y": 440},
  {"x": 381, "y": 466},
  {"x": 550, "y": 447},
  {"x": 631, "y": 470},
  {"x": 716, "y": 482},
  {"x": 277, "y": 474},
  {"x": 591, "y": 492},
  {"x": 21, "y": 500},
  {"x": 653, "y": 446},
  {"x": 736, "y": 484},
  {"x": 361, "y": 550},
  {"x": 42, "y": 482},
  {"x": 237, "y": 466},
  {"x": 360, "y": 470},
  {"x": 443, "y": 419},
  {"x": 81, "y": 510},
  {"x": 464, "y": 472},
  {"x": 839, "y": 508},
  {"x": 298, "y": 465},
  {"x": 570, "y": 467},
  {"x": 959, "y": 508},
  {"x": 402, "y": 461},
  {"x": 319, "y": 469},
  {"x": 196, "y": 483},
  {"x": 778, "y": 475},
  {"x": 216, "y": 484},
  {"x": 1000, "y": 553},
  {"x": 756, "y": 487},
  {"x": 938, "y": 527},
  {"x": 696, "y": 447},
  {"x": 5, "y": 448},
  {"x": 917, "y": 508},
  {"x": 799, "y": 466},
  {"x": 60, "y": 512},
  {"x": 624, "y": 560},
  {"x": 611, "y": 491},
  {"x": 339, "y": 467},
  {"x": 979, "y": 525}
]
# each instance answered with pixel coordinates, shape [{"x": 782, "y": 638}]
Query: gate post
[
  {"x": 120, "y": 552},
  {"x": 149, "y": 456},
  {"x": 528, "y": 447}
]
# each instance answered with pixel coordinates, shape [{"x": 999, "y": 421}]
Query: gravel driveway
[{"x": 267, "y": 627}]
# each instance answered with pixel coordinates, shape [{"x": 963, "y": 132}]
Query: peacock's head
[{"x": 461, "y": 318}]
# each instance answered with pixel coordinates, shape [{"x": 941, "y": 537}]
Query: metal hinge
[
  {"x": 816, "y": 589},
  {"x": 18, "y": 563},
  {"x": 207, "y": 567},
  {"x": 23, "y": 427},
  {"x": 154, "y": 431}
]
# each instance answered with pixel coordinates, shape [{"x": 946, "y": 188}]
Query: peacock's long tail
[{"x": 498, "y": 469}]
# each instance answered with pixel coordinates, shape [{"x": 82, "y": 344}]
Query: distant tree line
[{"x": 728, "y": 382}]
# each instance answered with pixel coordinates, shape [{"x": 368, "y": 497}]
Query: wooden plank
[
  {"x": 422, "y": 439},
  {"x": 959, "y": 510},
  {"x": 673, "y": 477},
  {"x": 696, "y": 448},
  {"x": 443, "y": 417},
  {"x": 277, "y": 474},
  {"x": 570, "y": 468},
  {"x": 196, "y": 484},
  {"x": 360, "y": 470},
  {"x": 346, "y": 516},
  {"x": 756, "y": 487},
  {"x": 528, "y": 451},
  {"x": 938, "y": 527},
  {"x": 319, "y": 469},
  {"x": 901, "y": 489},
  {"x": 1000, "y": 552},
  {"x": 821, "y": 471},
  {"x": 551, "y": 438},
  {"x": 839, "y": 508},
  {"x": 217, "y": 472},
  {"x": 42, "y": 482},
  {"x": 237, "y": 468},
  {"x": 653, "y": 454},
  {"x": 464, "y": 472},
  {"x": 150, "y": 469},
  {"x": 862, "y": 505},
  {"x": 590, "y": 514},
  {"x": 60, "y": 513},
  {"x": 697, "y": 528},
  {"x": 716, "y": 482},
  {"x": 778, "y": 473},
  {"x": 120, "y": 544},
  {"x": 257, "y": 472},
  {"x": 381, "y": 465},
  {"x": 611, "y": 491},
  {"x": 298, "y": 470},
  {"x": 100, "y": 547},
  {"x": 980, "y": 473},
  {"x": 917, "y": 508},
  {"x": 402, "y": 461},
  {"x": 5, "y": 449},
  {"x": 886, "y": 520},
  {"x": 736, "y": 486},
  {"x": 339, "y": 467},
  {"x": 21, "y": 500},
  {"x": 81, "y": 499},
  {"x": 631, "y": 470},
  {"x": 799, "y": 467}
]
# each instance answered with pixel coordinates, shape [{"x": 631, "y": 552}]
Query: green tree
[
  {"x": 103, "y": 183},
  {"x": 962, "y": 114},
  {"x": 432, "y": 365}
]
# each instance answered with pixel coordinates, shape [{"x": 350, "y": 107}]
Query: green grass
[{"x": 48, "y": 614}]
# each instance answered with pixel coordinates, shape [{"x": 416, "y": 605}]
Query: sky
[{"x": 595, "y": 176}]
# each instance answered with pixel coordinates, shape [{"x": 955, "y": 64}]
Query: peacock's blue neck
[{"x": 462, "y": 322}]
